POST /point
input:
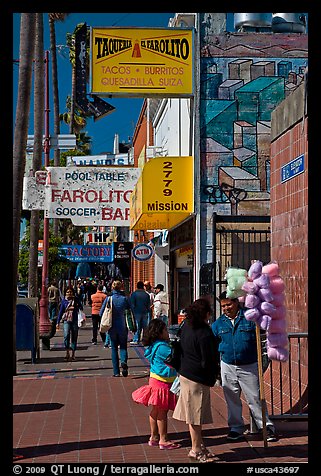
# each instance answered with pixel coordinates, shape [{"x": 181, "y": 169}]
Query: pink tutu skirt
[{"x": 155, "y": 393}]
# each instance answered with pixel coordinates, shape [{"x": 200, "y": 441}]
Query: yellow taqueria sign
[
  {"x": 164, "y": 194},
  {"x": 141, "y": 61}
]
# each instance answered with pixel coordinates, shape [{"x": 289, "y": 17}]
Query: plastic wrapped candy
[
  {"x": 263, "y": 281},
  {"x": 235, "y": 272},
  {"x": 279, "y": 339},
  {"x": 234, "y": 293},
  {"x": 277, "y": 285},
  {"x": 252, "y": 314},
  {"x": 267, "y": 308},
  {"x": 277, "y": 353},
  {"x": 272, "y": 269},
  {"x": 265, "y": 294},
  {"x": 277, "y": 326},
  {"x": 265, "y": 322},
  {"x": 278, "y": 299},
  {"x": 255, "y": 270},
  {"x": 280, "y": 313},
  {"x": 250, "y": 287},
  {"x": 252, "y": 300}
]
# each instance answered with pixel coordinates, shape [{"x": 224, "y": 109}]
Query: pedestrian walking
[
  {"x": 236, "y": 338},
  {"x": 161, "y": 304},
  {"x": 157, "y": 393},
  {"x": 149, "y": 290},
  {"x": 97, "y": 300},
  {"x": 197, "y": 374},
  {"x": 118, "y": 332},
  {"x": 53, "y": 300},
  {"x": 68, "y": 314},
  {"x": 140, "y": 305}
]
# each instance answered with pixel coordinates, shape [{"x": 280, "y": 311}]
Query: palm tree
[
  {"x": 27, "y": 41},
  {"x": 39, "y": 104},
  {"x": 53, "y": 18}
]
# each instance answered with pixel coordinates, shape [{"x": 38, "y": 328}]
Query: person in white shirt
[{"x": 161, "y": 304}]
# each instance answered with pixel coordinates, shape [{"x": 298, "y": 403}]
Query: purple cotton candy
[
  {"x": 255, "y": 270},
  {"x": 262, "y": 281},
  {"x": 277, "y": 326},
  {"x": 250, "y": 288},
  {"x": 279, "y": 339},
  {"x": 265, "y": 294},
  {"x": 265, "y": 322},
  {"x": 278, "y": 299},
  {"x": 252, "y": 300},
  {"x": 278, "y": 353},
  {"x": 252, "y": 314},
  {"x": 267, "y": 308},
  {"x": 280, "y": 313}
]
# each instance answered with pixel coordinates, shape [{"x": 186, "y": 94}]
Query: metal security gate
[{"x": 237, "y": 240}]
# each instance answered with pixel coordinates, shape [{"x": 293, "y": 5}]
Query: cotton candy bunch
[
  {"x": 235, "y": 277},
  {"x": 264, "y": 301}
]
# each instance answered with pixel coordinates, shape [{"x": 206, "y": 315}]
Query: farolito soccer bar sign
[{"x": 142, "y": 62}]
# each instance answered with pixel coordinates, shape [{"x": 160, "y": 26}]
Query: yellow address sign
[{"x": 141, "y": 62}]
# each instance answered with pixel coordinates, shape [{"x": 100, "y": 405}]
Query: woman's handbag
[
  {"x": 130, "y": 321},
  {"x": 81, "y": 318},
  {"x": 68, "y": 314},
  {"x": 107, "y": 317}
]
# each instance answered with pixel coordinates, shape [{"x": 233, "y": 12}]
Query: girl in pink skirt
[{"x": 157, "y": 393}]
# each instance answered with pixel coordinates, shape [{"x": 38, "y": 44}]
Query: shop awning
[{"x": 164, "y": 194}]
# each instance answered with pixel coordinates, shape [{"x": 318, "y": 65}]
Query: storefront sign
[
  {"x": 89, "y": 197},
  {"x": 142, "y": 61},
  {"x": 164, "y": 194},
  {"x": 90, "y": 253},
  {"x": 142, "y": 252}
]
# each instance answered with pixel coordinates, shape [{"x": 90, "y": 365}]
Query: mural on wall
[{"x": 244, "y": 76}]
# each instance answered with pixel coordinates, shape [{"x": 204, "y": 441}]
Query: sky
[{"x": 123, "y": 119}]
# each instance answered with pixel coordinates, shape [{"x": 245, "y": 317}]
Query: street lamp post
[{"x": 45, "y": 325}]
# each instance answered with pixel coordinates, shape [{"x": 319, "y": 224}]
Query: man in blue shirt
[
  {"x": 236, "y": 338},
  {"x": 140, "y": 304}
]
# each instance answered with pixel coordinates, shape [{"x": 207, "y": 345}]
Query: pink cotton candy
[
  {"x": 252, "y": 314},
  {"x": 252, "y": 300},
  {"x": 280, "y": 313},
  {"x": 265, "y": 322},
  {"x": 277, "y": 285},
  {"x": 278, "y": 299},
  {"x": 241, "y": 299},
  {"x": 278, "y": 353},
  {"x": 263, "y": 281},
  {"x": 277, "y": 326},
  {"x": 267, "y": 308},
  {"x": 250, "y": 288},
  {"x": 265, "y": 294},
  {"x": 272, "y": 269},
  {"x": 255, "y": 270},
  {"x": 279, "y": 339}
]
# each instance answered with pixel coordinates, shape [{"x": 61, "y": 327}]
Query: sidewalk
[{"x": 77, "y": 412}]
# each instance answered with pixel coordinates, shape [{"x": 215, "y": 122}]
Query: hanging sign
[
  {"x": 142, "y": 61},
  {"x": 142, "y": 252}
]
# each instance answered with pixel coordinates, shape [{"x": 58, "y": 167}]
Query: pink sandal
[
  {"x": 169, "y": 445},
  {"x": 153, "y": 442}
]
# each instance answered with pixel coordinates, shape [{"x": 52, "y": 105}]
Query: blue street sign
[{"x": 292, "y": 169}]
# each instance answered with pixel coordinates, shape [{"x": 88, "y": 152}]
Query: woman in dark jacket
[
  {"x": 198, "y": 372},
  {"x": 68, "y": 314}
]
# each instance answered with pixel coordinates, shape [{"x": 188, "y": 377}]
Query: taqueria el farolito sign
[
  {"x": 164, "y": 194},
  {"x": 141, "y": 61}
]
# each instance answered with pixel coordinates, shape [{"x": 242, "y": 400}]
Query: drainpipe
[{"x": 47, "y": 329}]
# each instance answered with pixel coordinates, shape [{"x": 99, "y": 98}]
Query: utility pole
[{"x": 45, "y": 324}]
